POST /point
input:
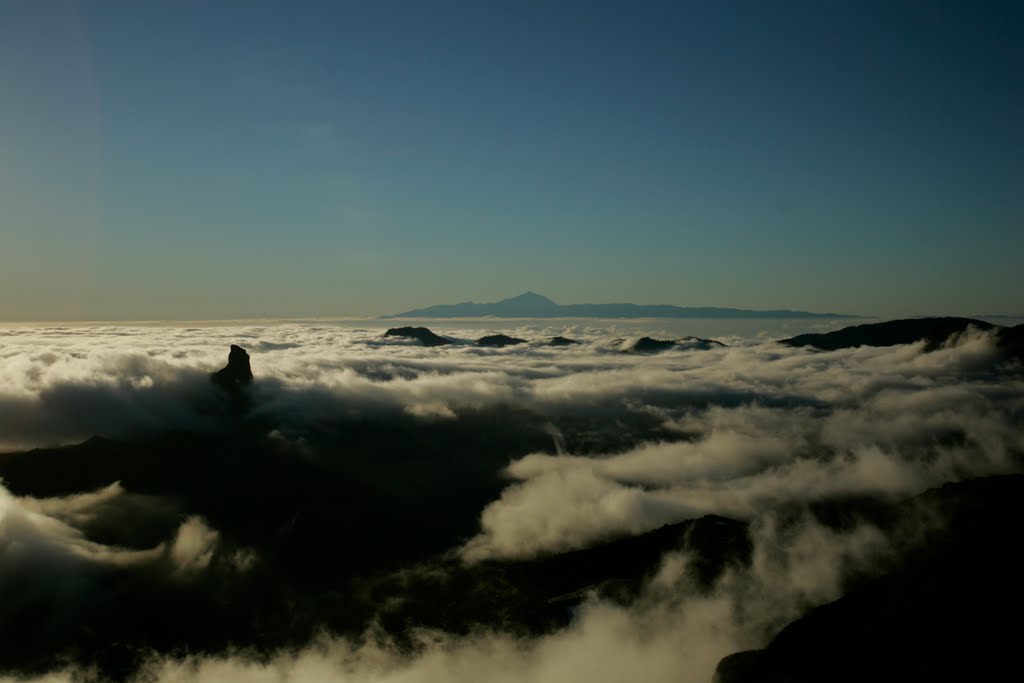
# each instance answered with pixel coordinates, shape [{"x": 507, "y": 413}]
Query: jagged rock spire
[{"x": 237, "y": 373}]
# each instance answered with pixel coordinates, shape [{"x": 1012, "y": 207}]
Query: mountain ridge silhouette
[{"x": 533, "y": 305}]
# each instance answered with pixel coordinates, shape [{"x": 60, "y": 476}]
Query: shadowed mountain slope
[
  {"x": 946, "y": 614},
  {"x": 933, "y": 331}
]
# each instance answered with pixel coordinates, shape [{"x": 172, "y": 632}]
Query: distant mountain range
[{"x": 532, "y": 305}]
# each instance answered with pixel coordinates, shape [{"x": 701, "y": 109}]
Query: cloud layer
[{"x": 356, "y": 453}]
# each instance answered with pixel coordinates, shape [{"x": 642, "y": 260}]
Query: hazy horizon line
[{"x": 867, "y": 318}]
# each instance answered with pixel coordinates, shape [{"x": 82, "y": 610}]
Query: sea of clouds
[{"x": 635, "y": 441}]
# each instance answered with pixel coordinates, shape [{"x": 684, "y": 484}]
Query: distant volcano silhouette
[{"x": 533, "y": 305}]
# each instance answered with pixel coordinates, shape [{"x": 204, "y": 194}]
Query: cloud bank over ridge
[{"x": 553, "y": 450}]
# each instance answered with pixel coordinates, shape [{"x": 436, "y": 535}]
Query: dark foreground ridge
[
  {"x": 421, "y": 334},
  {"x": 532, "y": 305},
  {"x": 943, "y": 615},
  {"x": 314, "y": 571}
]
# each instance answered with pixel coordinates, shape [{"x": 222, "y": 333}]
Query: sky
[{"x": 243, "y": 159}]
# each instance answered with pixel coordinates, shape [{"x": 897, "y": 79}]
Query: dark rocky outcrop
[
  {"x": 237, "y": 374},
  {"x": 561, "y": 341},
  {"x": 651, "y": 345},
  {"x": 499, "y": 340},
  {"x": 700, "y": 343},
  {"x": 421, "y": 334},
  {"x": 934, "y": 331}
]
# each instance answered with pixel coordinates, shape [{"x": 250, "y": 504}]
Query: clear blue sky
[{"x": 233, "y": 159}]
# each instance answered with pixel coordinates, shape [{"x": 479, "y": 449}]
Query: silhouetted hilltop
[
  {"x": 940, "y": 616},
  {"x": 651, "y": 345},
  {"x": 422, "y": 334},
  {"x": 499, "y": 340},
  {"x": 562, "y": 341},
  {"x": 237, "y": 373},
  {"x": 935, "y": 331},
  {"x": 699, "y": 343},
  {"x": 532, "y": 305}
]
